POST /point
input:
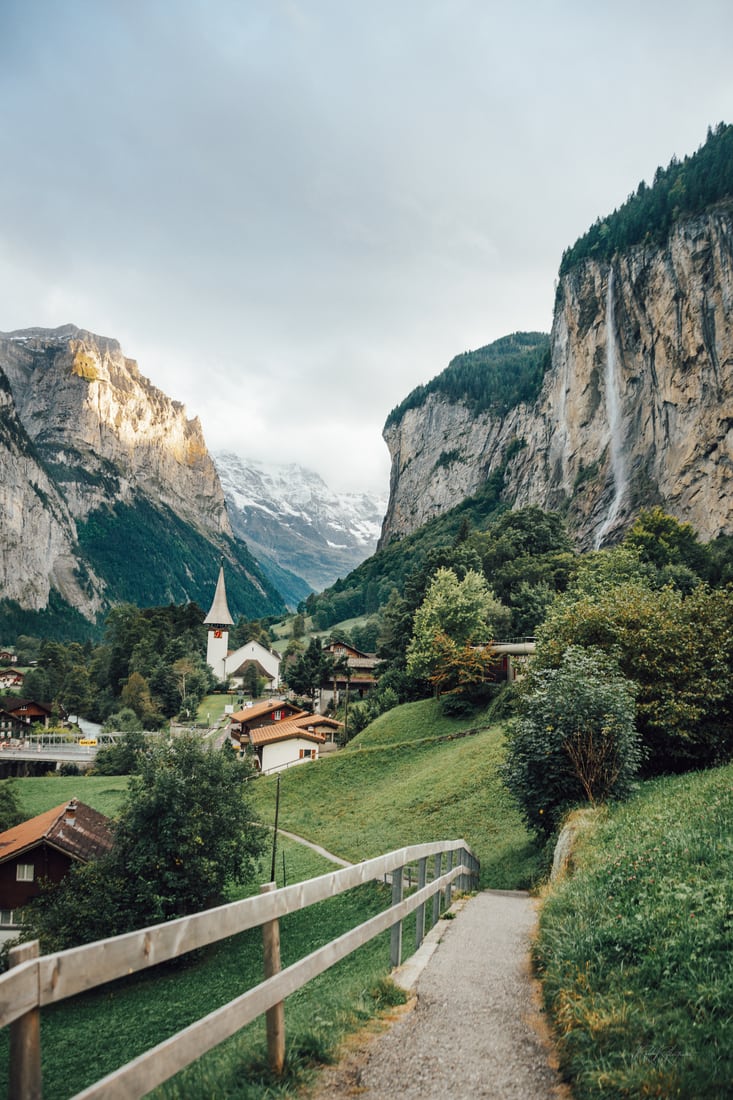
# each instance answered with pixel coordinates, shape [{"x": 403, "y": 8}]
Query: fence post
[
  {"x": 422, "y": 877},
  {"x": 396, "y": 933},
  {"x": 25, "y": 1039},
  {"x": 275, "y": 1016},
  {"x": 436, "y": 895},
  {"x": 449, "y": 887}
]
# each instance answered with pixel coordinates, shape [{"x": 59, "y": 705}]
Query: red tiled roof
[
  {"x": 88, "y": 837},
  {"x": 283, "y": 731},
  {"x": 305, "y": 720}
]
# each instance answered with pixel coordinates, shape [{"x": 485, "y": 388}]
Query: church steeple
[
  {"x": 218, "y": 620},
  {"x": 219, "y": 615}
]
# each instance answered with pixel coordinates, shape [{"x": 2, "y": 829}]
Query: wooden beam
[
  {"x": 24, "y": 1080},
  {"x": 275, "y": 1016}
]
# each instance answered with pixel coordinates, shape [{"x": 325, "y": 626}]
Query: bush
[{"x": 574, "y": 739}]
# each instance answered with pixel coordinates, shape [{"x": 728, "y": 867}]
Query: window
[
  {"x": 24, "y": 872},
  {"x": 6, "y": 917},
  {"x": 305, "y": 754}
]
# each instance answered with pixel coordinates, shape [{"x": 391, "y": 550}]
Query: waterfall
[{"x": 613, "y": 414}]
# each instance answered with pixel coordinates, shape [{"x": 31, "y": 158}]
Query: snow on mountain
[{"x": 287, "y": 514}]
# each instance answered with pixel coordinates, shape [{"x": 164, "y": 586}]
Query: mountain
[
  {"x": 108, "y": 491},
  {"x": 292, "y": 521},
  {"x": 631, "y": 406}
]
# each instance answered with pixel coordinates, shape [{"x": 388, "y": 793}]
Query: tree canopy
[
  {"x": 682, "y": 189},
  {"x": 185, "y": 832}
]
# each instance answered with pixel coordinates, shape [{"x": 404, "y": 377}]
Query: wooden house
[
  {"x": 44, "y": 848},
  {"x": 27, "y": 711}
]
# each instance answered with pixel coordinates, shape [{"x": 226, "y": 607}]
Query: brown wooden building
[{"x": 44, "y": 848}]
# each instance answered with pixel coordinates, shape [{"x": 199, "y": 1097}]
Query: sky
[{"x": 293, "y": 212}]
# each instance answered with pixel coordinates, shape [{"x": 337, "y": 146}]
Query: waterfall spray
[{"x": 613, "y": 414}]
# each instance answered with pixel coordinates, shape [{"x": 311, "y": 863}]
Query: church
[{"x": 231, "y": 666}]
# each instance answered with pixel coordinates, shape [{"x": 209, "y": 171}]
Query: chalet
[
  {"x": 283, "y": 745},
  {"x": 43, "y": 849},
  {"x": 319, "y": 723},
  {"x": 7, "y": 658},
  {"x": 260, "y": 715},
  {"x": 11, "y": 678},
  {"x": 27, "y": 710},
  {"x": 361, "y": 675}
]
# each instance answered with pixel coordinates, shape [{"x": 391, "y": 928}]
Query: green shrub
[{"x": 574, "y": 739}]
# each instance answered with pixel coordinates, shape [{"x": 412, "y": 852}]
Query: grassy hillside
[
  {"x": 635, "y": 948},
  {"x": 402, "y": 781}
]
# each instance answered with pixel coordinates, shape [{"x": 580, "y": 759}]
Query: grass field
[
  {"x": 398, "y": 783},
  {"x": 635, "y": 948},
  {"x": 102, "y": 792}
]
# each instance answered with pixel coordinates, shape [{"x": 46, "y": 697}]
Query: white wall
[{"x": 281, "y": 754}]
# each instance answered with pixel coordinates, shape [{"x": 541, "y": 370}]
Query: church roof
[{"x": 219, "y": 615}]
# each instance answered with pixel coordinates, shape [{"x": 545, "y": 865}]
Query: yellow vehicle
[{"x": 87, "y": 740}]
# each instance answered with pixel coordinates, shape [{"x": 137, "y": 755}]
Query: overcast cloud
[{"x": 292, "y": 212}]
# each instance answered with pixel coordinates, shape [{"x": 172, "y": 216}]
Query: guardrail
[{"x": 34, "y": 981}]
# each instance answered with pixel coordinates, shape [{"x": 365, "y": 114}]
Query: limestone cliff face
[
  {"x": 107, "y": 491},
  {"x": 636, "y": 408},
  {"x": 37, "y": 549},
  {"x": 105, "y": 430}
]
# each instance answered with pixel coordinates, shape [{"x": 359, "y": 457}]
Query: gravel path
[{"x": 475, "y": 1029}]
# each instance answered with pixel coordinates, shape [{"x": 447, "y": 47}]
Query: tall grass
[{"x": 635, "y": 948}]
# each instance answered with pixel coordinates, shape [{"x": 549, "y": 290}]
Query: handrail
[{"x": 41, "y": 981}]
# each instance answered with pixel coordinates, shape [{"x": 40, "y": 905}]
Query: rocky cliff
[
  {"x": 108, "y": 490},
  {"x": 636, "y": 407}
]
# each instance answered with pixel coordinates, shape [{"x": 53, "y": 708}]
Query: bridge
[{"x": 36, "y": 755}]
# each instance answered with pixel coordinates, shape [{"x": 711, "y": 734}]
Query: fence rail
[{"x": 38, "y": 981}]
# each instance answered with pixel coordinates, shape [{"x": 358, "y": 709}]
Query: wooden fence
[{"x": 34, "y": 981}]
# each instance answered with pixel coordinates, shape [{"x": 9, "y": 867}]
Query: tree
[
  {"x": 677, "y": 649},
  {"x": 75, "y": 692},
  {"x": 252, "y": 682},
  {"x": 574, "y": 738},
  {"x": 122, "y": 721},
  {"x": 122, "y": 758},
  {"x": 308, "y": 671},
  {"x": 461, "y": 612},
  {"x": 10, "y": 811},
  {"x": 669, "y": 546},
  {"x": 185, "y": 831}
]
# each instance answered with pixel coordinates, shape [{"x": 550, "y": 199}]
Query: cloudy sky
[{"x": 292, "y": 212}]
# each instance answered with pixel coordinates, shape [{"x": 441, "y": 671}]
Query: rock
[{"x": 673, "y": 346}]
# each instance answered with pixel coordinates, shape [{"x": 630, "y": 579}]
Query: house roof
[
  {"x": 305, "y": 720},
  {"x": 260, "y": 710},
  {"x": 14, "y": 702},
  {"x": 283, "y": 731},
  {"x": 86, "y": 838}
]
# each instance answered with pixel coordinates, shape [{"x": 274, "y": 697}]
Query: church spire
[{"x": 219, "y": 615}]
